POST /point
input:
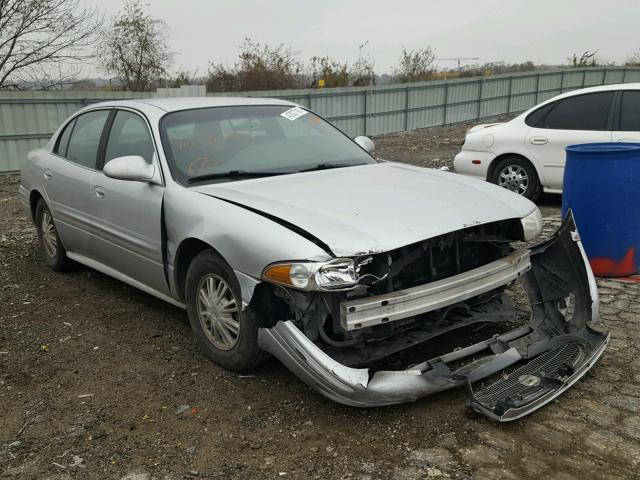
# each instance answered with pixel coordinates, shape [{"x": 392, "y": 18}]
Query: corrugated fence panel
[
  {"x": 574, "y": 80},
  {"x": 495, "y": 88},
  {"x": 494, "y": 107},
  {"x": 615, "y": 76},
  {"x": 594, "y": 78},
  {"x": 632, "y": 76},
  {"x": 27, "y": 119},
  {"x": 550, "y": 82}
]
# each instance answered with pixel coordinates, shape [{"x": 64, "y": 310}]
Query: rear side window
[
  {"x": 582, "y": 112},
  {"x": 63, "y": 140},
  {"x": 630, "y": 111},
  {"x": 535, "y": 118},
  {"x": 85, "y": 138},
  {"x": 129, "y": 136}
]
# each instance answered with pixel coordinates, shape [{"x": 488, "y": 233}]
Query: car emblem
[{"x": 529, "y": 380}]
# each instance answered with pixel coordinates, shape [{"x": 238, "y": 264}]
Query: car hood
[{"x": 373, "y": 208}]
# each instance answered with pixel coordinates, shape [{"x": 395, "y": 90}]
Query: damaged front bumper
[{"x": 506, "y": 376}]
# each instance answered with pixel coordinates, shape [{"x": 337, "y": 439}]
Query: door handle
[
  {"x": 47, "y": 175},
  {"x": 99, "y": 192},
  {"x": 538, "y": 140}
]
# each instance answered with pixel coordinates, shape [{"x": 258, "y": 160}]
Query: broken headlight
[
  {"x": 334, "y": 275},
  {"x": 531, "y": 225}
]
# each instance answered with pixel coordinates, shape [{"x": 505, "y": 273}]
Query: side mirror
[
  {"x": 131, "y": 167},
  {"x": 366, "y": 143}
]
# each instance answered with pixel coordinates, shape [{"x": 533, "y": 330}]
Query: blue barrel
[{"x": 602, "y": 187}]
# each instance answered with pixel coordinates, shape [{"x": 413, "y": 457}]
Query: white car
[{"x": 527, "y": 154}]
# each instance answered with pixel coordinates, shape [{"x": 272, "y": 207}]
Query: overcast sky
[{"x": 544, "y": 31}]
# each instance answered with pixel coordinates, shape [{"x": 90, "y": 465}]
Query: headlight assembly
[
  {"x": 334, "y": 275},
  {"x": 531, "y": 225}
]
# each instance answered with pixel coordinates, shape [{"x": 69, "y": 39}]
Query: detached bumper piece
[
  {"x": 534, "y": 384},
  {"x": 507, "y": 376}
]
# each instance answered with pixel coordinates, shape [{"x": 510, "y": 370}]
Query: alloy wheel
[
  {"x": 514, "y": 178},
  {"x": 218, "y": 312},
  {"x": 49, "y": 238}
]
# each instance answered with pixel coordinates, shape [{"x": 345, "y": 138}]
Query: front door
[{"x": 128, "y": 213}]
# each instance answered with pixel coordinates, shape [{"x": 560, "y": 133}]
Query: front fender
[{"x": 247, "y": 241}]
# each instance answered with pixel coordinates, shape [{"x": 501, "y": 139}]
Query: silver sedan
[{"x": 280, "y": 235}]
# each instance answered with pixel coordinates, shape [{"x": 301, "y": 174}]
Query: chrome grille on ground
[{"x": 532, "y": 380}]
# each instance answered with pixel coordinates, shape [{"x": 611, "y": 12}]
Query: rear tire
[
  {"x": 227, "y": 334},
  {"x": 518, "y": 175},
  {"x": 51, "y": 248}
]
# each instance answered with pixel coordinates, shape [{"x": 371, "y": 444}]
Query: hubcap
[
  {"x": 514, "y": 178},
  {"x": 49, "y": 239},
  {"x": 218, "y": 312}
]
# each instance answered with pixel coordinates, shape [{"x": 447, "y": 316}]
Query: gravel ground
[{"x": 100, "y": 381}]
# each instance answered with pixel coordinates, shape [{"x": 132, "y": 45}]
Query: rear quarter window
[{"x": 63, "y": 139}]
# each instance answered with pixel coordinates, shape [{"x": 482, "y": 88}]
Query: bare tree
[
  {"x": 42, "y": 42},
  {"x": 363, "y": 70},
  {"x": 259, "y": 67},
  {"x": 587, "y": 59},
  {"x": 633, "y": 60},
  {"x": 333, "y": 72},
  {"x": 416, "y": 65},
  {"x": 134, "y": 48}
]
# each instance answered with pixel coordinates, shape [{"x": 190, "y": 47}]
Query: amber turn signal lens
[{"x": 278, "y": 274}]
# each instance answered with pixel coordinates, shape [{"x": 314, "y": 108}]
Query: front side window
[
  {"x": 582, "y": 112},
  {"x": 85, "y": 138},
  {"x": 268, "y": 138},
  {"x": 129, "y": 135},
  {"x": 630, "y": 111}
]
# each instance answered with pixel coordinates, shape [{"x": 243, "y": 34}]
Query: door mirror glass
[
  {"x": 366, "y": 143},
  {"x": 131, "y": 167}
]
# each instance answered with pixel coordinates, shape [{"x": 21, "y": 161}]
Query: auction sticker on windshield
[{"x": 293, "y": 113}]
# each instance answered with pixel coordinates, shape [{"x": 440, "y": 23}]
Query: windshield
[{"x": 270, "y": 139}]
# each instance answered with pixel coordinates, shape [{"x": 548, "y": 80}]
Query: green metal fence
[{"x": 27, "y": 119}]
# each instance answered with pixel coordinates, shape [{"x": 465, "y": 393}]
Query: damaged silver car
[{"x": 374, "y": 282}]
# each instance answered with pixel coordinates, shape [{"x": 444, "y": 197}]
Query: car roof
[
  {"x": 601, "y": 88},
  {"x": 187, "y": 103},
  {"x": 582, "y": 91}
]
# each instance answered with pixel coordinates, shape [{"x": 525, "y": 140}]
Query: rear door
[
  {"x": 68, "y": 176},
  {"x": 579, "y": 119},
  {"x": 128, "y": 214},
  {"x": 627, "y": 122}
]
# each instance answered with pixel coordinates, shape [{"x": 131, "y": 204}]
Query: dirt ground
[{"x": 101, "y": 381}]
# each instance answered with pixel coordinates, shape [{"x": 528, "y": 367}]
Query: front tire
[
  {"x": 51, "y": 248},
  {"x": 518, "y": 175},
  {"x": 227, "y": 334}
]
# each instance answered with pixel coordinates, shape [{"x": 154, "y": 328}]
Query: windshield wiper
[
  {"x": 327, "y": 166},
  {"x": 233, "y": 174}
]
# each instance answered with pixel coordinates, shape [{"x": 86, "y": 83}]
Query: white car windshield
[{"x": 222, "y": 143}]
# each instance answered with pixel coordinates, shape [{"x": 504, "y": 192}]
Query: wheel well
[
  {"x": 496, "y": 161},
  {"x": 33, "y": 202},
  {"x": 187, "y": 251}
]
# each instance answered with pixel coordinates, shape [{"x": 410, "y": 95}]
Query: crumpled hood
[{"x": 374, "y": 208}]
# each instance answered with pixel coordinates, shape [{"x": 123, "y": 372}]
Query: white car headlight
[
  {"x": 338, "y": 274},
  {"x": 532, "y": 225}
]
